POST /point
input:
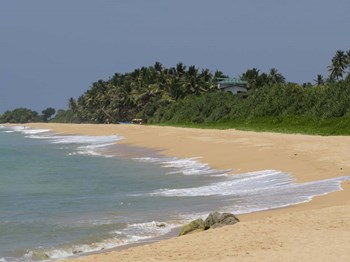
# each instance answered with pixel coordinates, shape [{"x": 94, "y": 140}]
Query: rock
[
  {"x": 195, "y": 225},
  {"x": 217, "y": 219},
  {"x": 214, "y": 220}
]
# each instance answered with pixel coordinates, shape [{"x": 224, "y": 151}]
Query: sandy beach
[{"x": 317, "y": 230}]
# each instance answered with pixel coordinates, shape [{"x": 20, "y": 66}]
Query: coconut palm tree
[
  {"x": 252, "y": 77},
  {"x": 218, "y": 74},
  {"x": 158, "y": 67},
  {"x": 348, "y": 56},
  {"x": 320, "y": 80},
  {"x": 348, "y": 62},
  {"x": 180, "y": 68},
  {"x": 276, "y": 77},
  {"x": 340, "y": 62}
]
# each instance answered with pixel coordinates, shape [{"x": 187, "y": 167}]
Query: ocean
[{"x": 63, "y": 196}]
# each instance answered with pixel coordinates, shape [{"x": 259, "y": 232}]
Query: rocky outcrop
[
  {"x": 217, "y": 219},
  {"x": 194, "y": 226},
  {"x": 214, "y": 220}
]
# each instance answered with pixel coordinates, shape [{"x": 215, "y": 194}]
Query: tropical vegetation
[
  {"x": 25, "y": 115},
  {"x": 186, "y": 95},
  {"x": 140, "y": 93}
]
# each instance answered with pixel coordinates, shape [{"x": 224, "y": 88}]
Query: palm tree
[
  {"x": 348, "y": 55},
  {"x": 158, "y": 67},
  {"x": 348, "y": 63},
  {"x": 319, "y": 80},
  {"x": 252, "y": 77},
  {"x": 275, "y": 77},
  {"x": 72, "y": 105},
  {"x": 339, "y": 64},
  {"x": 218, "y": 74},
  {"x": 180, "y": 68},
  {"x": 192, "y": 71}
]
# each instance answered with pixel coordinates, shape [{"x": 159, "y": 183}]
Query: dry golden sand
[{"x": 318, "y": 230}]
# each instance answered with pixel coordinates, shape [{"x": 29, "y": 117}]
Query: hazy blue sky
[{"x": 51, "y": 50}]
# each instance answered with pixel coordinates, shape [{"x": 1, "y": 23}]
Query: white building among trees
[{"x": 233, "y": 85}]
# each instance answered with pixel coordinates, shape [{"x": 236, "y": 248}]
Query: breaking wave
[
  {"x": 256, "y": 191},
  {"x": 132, "y": 233},
  {"x": 85, "y": 145},
  {"x": 186, "y": 166}
]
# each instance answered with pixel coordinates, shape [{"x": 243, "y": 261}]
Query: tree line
[
  {"x": 269, "y": 96},
  {"x": 140, "y": 93},
  {"x": 277, "y": 100},
  {"x": 159, "y": 94},
  {"x": 25, "y": 115}
]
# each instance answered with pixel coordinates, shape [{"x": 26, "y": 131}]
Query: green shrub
[{"x": 281, "y": 107}]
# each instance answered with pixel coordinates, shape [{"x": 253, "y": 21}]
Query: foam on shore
[
  {"x": 257, "y": 191},
  {"x": 185, "y": 166},
  {"x": 133, "y": 233},
  {"x": 242, "y": 193},
  {"x": 86, "y": 145}
]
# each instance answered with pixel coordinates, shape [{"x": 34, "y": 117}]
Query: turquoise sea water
[{"x": 62, "y": 195}]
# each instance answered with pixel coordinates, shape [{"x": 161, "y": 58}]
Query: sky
[{"x": 51, "y": 50}]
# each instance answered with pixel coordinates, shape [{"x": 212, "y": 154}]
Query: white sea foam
[
  {"x": 64, "y": 252},
  {"x": 185, "y": 166},
  {"x": 96, "y": 141},
  {"x": 35, "y": 131},
  {"x": 243, "y": 193},
  {"x": 149, "y": 229},
  {"x": 85, "y": 145},
  {"x": 28, "y": 131},
  {"x": 257, "y": 191},
  {"x": 131, "y": 234}
]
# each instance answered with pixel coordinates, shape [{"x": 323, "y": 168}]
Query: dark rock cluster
[{"x": 214, "y": 220}]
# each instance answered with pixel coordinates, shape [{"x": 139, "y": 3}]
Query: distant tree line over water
[
  {"x": 188, "y": 95},
  {"x": 25, "y": 115}
]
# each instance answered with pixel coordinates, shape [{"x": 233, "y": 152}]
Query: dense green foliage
[
  {"x": 25, "y": 115},
  {"x": 140, "y": 93},
  {"x": 257, "y": 79},
  {"x": 47, "y": 114},
  {"x": 64, "y": 116},
  {"x": 279, "y": 107},
  {"x": 20, "y": 115}
]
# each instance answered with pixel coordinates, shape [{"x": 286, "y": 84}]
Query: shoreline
[{"x": 301, "y": 155}]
